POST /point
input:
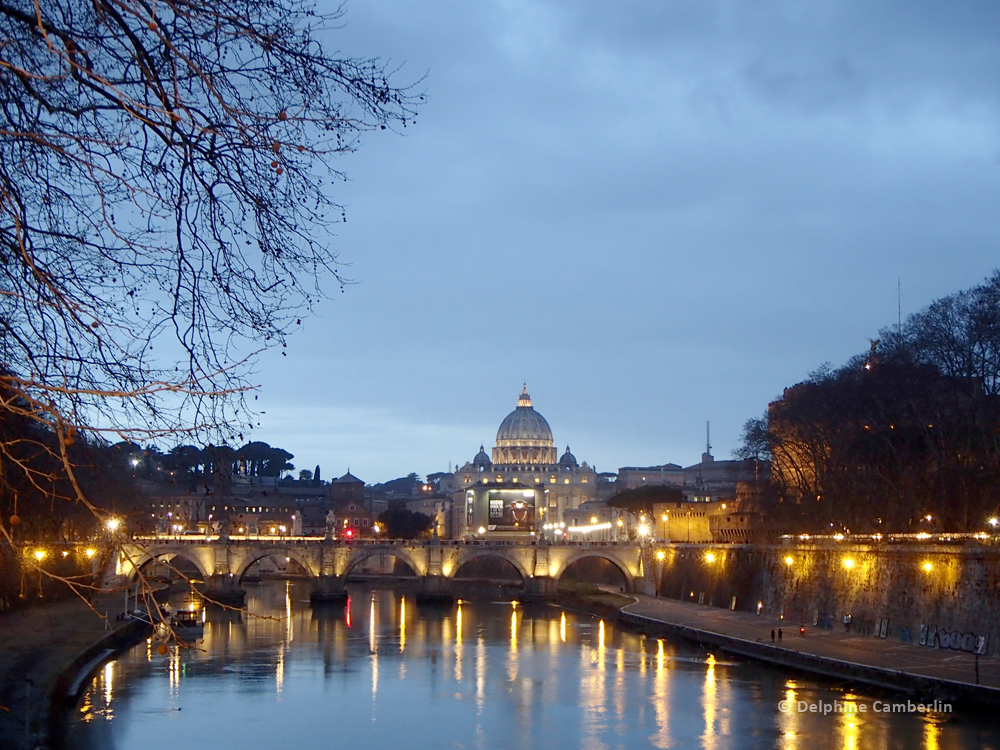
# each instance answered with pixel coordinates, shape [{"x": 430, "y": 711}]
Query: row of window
[
  {"x": 499, "y": 479},
  {"x": 356, "y": 522}
]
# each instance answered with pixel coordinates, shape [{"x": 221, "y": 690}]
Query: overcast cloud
[{"x": 655, "y": 213}]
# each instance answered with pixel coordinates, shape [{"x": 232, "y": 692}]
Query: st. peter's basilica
[{"x": 524, "y": 458}]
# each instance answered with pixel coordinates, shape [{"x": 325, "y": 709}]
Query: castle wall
[{"x": 952, "y": 588}]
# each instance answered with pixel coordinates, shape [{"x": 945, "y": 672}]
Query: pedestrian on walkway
[
  {"x": 779, "y": 635},
  {"x": 772, "y": 635}
]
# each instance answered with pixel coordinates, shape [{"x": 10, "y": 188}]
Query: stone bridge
[{"x": 222, "y": 563}]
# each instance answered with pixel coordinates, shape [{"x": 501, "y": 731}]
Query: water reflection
[{"x": 383, "y": 672}]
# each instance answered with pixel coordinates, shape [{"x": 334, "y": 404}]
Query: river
[{"x": 386, "y": 673}]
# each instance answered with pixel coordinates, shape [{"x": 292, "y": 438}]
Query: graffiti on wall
[{"x": 955, "y": 640}]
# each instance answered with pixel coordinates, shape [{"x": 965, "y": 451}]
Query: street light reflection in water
[{"x": 475, "y": 674}]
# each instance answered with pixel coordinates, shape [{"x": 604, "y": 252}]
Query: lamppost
[
  {"x": 643, "y": 531},
  {"x": 112, "y": 524}
]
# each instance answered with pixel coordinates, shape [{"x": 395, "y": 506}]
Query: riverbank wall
[
  {"x": 940, "y": 596},
  {"x": 71, "y": 683}
]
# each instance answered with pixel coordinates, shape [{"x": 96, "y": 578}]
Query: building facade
[{"x": 524, "y": 458}]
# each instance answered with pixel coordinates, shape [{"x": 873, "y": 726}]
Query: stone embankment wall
[{"x": 946, "y": 588}]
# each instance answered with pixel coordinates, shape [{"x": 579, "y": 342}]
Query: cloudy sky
[{"x": 654, "y": 213}]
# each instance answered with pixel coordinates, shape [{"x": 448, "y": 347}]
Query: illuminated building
[{"x": 524, "y": 459}]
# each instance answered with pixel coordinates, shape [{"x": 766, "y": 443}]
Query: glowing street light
[
  {"x": 994, "y": 522},
  {"x": 848, "y": 563},
  {"x": 660, "y": 554},
  {"x": 789, "y": 561},
  {"x": 40, "y": 554},
  {"x": 112, "y": 524},
  {"x": 928, "y": 566},
  {"x": 710, "y": 557},
  {"x": 90, "y": 552}
]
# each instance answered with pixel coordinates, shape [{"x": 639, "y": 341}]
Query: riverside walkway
[
  {"x": 836, "y": 653},
  {"x": 37, "y": 646}
]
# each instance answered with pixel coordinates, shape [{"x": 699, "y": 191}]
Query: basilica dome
[{"x": 524, "y": 436}]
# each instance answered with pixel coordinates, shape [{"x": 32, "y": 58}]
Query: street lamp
[{"x": 112, "y": 524}]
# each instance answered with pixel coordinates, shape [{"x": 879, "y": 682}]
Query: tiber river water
[{"x": 385, "y": 673}]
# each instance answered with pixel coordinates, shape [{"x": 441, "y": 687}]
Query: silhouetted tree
[
  {"x": 161, "y": 190},
  {"x": 641, "y": 499},
  {"x": 401, "y": 523}
]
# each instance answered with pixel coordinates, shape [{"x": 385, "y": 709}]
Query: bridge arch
[
  {"x": 469, "y": 555},
  {"x": 134, "y": 562},
  {"x": 621, "y": 566},
  {"x": 360, "y": 554},
  {"x": 307, "y": 564}
]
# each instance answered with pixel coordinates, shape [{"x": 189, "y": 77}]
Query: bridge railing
[{"x": 191, "y": 539}]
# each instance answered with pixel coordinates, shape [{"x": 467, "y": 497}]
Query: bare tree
[{"x": 164, "y": 208}]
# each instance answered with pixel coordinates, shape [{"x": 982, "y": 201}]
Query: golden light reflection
[
  {"x": 458, "y": 643},
  {"x": 711, "y": 701},
  {"x": 86, "y": 707},
  {"x": 788, "y": 721},
  {"x": 402, "y": 623},
  {"x": 289, "y": 630},
  {"x": 661, "y": 700},
  {"x": 513, "y": 660},
  {"x": 109, "y": 682},
  {"x": 593, "y": 696},
  {"x": 932, "y": 735},
  {"x": 279, "y": 670},
  {"x": 174, "y": 672},
  {"x": 372, "y": 646},
  {"x": 562, "y": 627},
  {"x": 601, "y": 651},
  {"x": 480, "y": 674},
  {"x": 849, "y": 723}
]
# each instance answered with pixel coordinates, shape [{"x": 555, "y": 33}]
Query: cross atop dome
[{"x": 525, "y": 399}]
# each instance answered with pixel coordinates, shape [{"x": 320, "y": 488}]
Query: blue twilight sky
[{"x": 654, "y": 213}]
